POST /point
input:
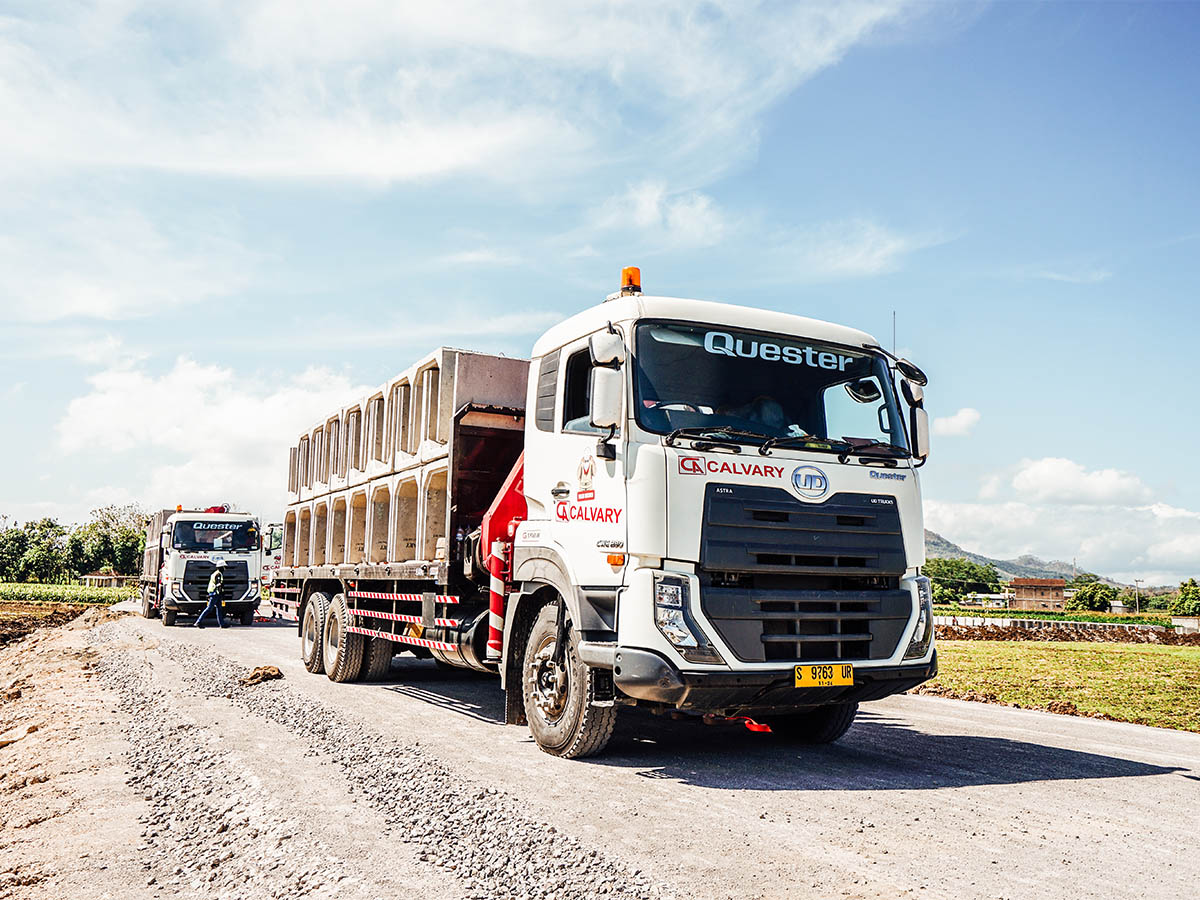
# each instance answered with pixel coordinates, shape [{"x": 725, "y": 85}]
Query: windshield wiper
[
  {"x": 808, "y": 441},
  {"x": 861, "y": 445},
  {"x": 717, "y": 431}
]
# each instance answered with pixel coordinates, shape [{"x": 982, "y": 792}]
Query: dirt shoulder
[
  {"x": 19, "y": 619},
  {"x": 70, "y": 822}
]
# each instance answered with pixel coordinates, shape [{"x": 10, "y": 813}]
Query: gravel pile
[
  {"x": 474, "y": 831},
  {"x": 209, "y": 831}
]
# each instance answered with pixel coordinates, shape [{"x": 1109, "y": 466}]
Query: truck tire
[
  {"x": 168, "y": 616},
  {"x": 247, "y": 616},
  {"x": 342, "y": 650},
  {"x": 823, "y": 725},
  {"x": 377, "y": 659},
  {"x": 312, "y": 632},
  {"x": 149, "y": 610},
  {"x": 557, "y": 698}
]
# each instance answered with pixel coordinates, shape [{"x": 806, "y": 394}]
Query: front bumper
[
  {"x": 195, "y": 607},
  {"x": 647, "y": 675}
]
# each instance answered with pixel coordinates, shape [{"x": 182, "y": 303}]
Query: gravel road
[{"x": 152, "y": 772}]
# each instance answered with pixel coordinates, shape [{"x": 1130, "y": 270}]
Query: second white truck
[
  {"x": 182, "y": 549},
  {"x": 678, "y": 504}
]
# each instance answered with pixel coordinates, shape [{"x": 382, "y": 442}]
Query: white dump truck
[
  {"x": 182, "y": 549},
  {"x": 676, "y": 504}
]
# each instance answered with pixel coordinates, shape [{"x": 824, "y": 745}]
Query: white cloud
[
  {"x": 482, "y": 256},
  {"x": 853, "y": 248},
  {"x": 1154, "y": 542},
  {"x": 379, "y": 91},
  {"x": 670, "y": 221},
  {"x": 215, "y": 434},
  {"x": 1058, "y": 480},
  {"x": 1075, "y": 276},
  {"x": 958, "y": 425},
  {"x": 1057, "y": 508},
  {"x": 116, "y": 264}
]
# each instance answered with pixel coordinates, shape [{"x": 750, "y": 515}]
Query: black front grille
[
  {"x": 195, "y": 580},
  {"x": 761, "y": 529},
  {"x": 787, "y": 581}
]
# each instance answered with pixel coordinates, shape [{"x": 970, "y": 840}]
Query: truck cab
[
  {"x": 182, "y": 548},
  {"x": 727, "y": 500}
]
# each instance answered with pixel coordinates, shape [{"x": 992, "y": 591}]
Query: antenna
[{"x": 893, "y": 332}]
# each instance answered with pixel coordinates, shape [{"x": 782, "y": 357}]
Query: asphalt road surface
[{"x": 924, "y": 797}]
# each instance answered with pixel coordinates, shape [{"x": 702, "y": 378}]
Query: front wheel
[
  {"x": 247, "y": 617},
  {"x": 823, "y": 725},
  {"x": 557, "y": 694},
  {"x": 168, "y": 616}
]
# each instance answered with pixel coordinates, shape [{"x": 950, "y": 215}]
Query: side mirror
[
  {"x": 920, "y": 433},
  {"x": 607, "y": 349},
  {"x": 911, "y": 372},
  {"x": 605, "y": 388},
  {"x": 863, "y": 391},
  {"x": 913, "y": 395}
]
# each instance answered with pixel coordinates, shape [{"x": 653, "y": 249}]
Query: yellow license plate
[{"x": 824, "y": 676}]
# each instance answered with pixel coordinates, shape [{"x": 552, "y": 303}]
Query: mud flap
[{"x": 601, "y": 691}]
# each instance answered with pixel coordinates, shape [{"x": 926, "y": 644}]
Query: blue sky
[{"x": 260, "y": 206}]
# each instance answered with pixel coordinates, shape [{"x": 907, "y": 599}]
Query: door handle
[{"x": 562, "y": 489}]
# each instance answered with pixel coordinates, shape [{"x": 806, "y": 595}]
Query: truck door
[{"x": 578, "y": 495}]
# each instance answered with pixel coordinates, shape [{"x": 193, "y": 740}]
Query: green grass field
[{"x": 1143, "y": 683}]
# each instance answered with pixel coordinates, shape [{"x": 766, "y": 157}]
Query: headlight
[
  {"x": 923, "y": 633},
  {"x": 177, "y": 590},
  {"x": 671, "y": 599}
]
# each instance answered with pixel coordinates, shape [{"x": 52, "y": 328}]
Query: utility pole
[{"x": 1137, "y": 595}]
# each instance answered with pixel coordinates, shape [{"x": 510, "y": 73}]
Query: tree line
[
  {"x": 953, "y": 579},
  {"x": 44, "y": 551}
]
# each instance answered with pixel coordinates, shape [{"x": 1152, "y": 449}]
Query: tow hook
[{"x": 751, "y": 725}]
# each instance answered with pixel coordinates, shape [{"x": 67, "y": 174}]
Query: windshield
[
  {"x": 205, "y": 536},
  {"x": 779, "y": 386}
]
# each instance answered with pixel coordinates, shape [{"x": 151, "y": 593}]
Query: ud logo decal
[{"x": 810, "y": 482}]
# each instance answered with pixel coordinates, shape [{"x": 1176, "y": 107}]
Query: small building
[
  {"x": 990, "y": 601},
  {"x": 1038, "y": 593},
  {"x": 100, "y": 580}
]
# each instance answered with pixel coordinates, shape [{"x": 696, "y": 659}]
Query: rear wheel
[
  {"x": 342, "y": 650},
  {"x": 377, "y": 658},
  {"x": 823, "y": 725},
  {"x": 149, "y": 610},
  {"x": 312, "y": 631},
  {"x": 557, "y": 694}
]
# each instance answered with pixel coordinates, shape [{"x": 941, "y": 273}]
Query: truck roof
[{"x": 637, "y": 306}]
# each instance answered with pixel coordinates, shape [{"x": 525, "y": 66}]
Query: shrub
[
  {"x": 1094, "y": 597},
  {"x": 17, "y": 592},
  {"x": 1188, "y": 601}
]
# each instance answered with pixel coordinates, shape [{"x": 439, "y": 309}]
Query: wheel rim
[
  {"x": 550, "y": 681},
  {"x": 310, "y": 632},
  {"x": 332, "y": 636}
]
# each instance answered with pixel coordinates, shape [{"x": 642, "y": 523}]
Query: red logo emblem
[{"x": 691, "y": 465}]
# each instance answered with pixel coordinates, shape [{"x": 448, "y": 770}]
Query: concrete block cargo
[{"x": 678, "y": 504}]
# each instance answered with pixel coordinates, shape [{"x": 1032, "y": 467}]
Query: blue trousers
[{"x": 215, "y": 605}]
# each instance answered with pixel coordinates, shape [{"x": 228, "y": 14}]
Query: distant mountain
[{"x": 1027, "y": 566}]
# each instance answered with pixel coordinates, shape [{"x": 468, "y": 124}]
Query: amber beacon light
[{"x": 631, "y": 280}]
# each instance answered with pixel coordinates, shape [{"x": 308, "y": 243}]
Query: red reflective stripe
[
  {"x": 417, "y": 598},
  {"x": 401, "y": 638},
  {"x": 402, "y": 617},
  {"x": 285, "y": 590}
]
